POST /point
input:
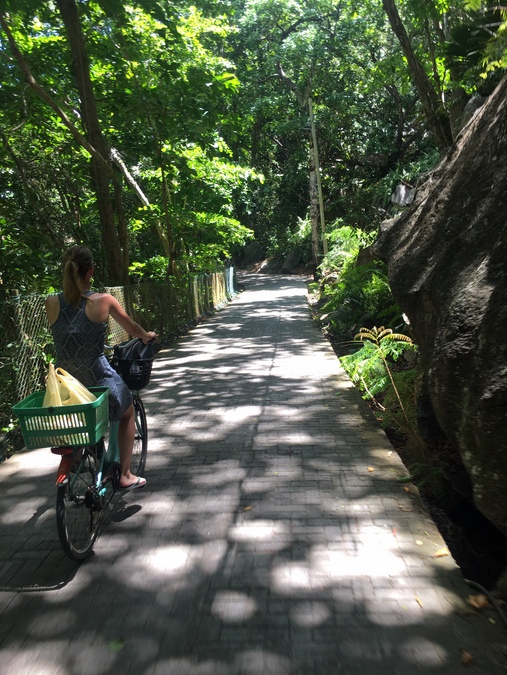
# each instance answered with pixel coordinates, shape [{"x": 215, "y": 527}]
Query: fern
[{"x": 369, "y": 367}]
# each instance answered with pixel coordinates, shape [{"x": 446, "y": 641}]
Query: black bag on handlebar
[
  {"x": 134, "y": 349},
  {"x": 133, "y": 360}
]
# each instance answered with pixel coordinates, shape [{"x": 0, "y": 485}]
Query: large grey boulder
[{"x": 447, "y": 261}]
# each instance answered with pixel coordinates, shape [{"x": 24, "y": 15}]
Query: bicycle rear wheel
[
  {"x": 78, "y": 507},
  {"x": 140, "y": 451}
]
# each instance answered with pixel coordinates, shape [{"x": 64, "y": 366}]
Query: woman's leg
[{"x": 126, "y": 433}]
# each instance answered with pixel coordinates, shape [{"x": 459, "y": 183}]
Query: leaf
[
  {"x": 441, "y": 552},
  {"x": 371, "y": 469},
  {"x": 247, "y": 508},
  {"x": 117, "y": 645},
  {"x": 478, "y": 601},
  {"x": 466, "y": 658}
]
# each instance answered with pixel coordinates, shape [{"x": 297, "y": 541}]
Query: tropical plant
[
  {"x": 353, "y": 295},
  {"x": 371, "y": 368}
]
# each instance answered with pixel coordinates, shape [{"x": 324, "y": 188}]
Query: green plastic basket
[{"x": 82, "y": 424}]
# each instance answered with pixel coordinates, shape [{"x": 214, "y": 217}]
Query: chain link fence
[{"x": 26, "y": 343}]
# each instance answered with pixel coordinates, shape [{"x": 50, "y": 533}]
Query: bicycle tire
[
  {"x": 140, "y": 451},
  {"x": 78, "y": 512}
]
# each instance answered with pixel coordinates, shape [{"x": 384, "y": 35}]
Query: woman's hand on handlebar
[{"x": 151, "y": 335}]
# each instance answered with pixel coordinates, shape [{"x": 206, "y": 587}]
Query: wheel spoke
[{"x": 78, "y": 510}]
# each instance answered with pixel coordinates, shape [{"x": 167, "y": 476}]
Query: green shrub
[{"x": 352, "y": 296}]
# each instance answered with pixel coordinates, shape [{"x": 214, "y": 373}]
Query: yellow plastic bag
[
  {"x": 71, "y": 390},
  {"x": 52, "y": 396}
]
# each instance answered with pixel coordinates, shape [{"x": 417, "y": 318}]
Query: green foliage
[
  {"x": 408, "y": 385},
  {"x": 292, "y": 240},
  {"x": 477, "y": 47},
  {"x": 207, "y": 106},
  {"x": 369, "y": 366},
  {"x": 366, "y": 370},
  {"x": 352, "y": 296},
  {"x": 163, "y": 87},
  {"x": 344, "y": 243}
]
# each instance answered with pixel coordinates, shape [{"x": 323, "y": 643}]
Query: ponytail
[{"x": 77, "y": 261}]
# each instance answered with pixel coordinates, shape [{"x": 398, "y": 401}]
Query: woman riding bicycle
[{"x": 78, "y": 319}]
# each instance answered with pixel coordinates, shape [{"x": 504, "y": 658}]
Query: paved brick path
[{"x": 272, "y": 539}]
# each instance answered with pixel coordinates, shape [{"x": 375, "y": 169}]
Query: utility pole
[{"x": 317, "y": 170}]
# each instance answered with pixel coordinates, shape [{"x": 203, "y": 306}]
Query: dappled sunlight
[
  {"x": 170, "y": 560},
  {"x": 233, "y": 607},
  {"x": 25, "y": 658},
  {"x": 272, "y": 536},
  {"x": 245, "y": 661},
  {"x": 255, "y": 531},
  {"x": 310, "y": 614},
  {"x": 373, "y": 557},
  {"x": 222, "y": 472},
  {"x": 17, "y": 510},
  {"x": 239, "y": 413},
  {"x": 181, "y": 566}
]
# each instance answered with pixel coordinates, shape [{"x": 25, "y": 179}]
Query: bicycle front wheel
[
  {"x": 141, "y": 439},
  {"x": 78, "y": 507}
]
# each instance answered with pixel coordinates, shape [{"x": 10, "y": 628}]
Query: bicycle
[{"x": 88, "y": 474}]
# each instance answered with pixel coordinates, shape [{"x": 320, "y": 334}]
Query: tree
[
  {"x": 436, "y": 117},
  {"x": 106, "y": 184},
  {"x": 147, "y": 90}
]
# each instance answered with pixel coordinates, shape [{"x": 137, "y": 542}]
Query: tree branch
[{"x": 31, "y": 81}]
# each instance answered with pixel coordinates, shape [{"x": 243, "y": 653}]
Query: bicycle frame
[{"x": 109, "y": 458}]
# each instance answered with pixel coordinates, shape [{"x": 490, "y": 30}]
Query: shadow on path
[{"x": 272, "y": 537}]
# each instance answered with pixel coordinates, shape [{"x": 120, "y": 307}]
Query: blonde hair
[{"x": 76, "y": 261}]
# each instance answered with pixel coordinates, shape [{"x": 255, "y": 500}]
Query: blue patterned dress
[{"x": 79, "y": 346}]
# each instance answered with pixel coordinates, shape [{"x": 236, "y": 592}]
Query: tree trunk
[
  {"x": 314, "y": 209},
  {"x": 438, "y": 121},
  {"x": 114, "y": 239},
  {"x": 304, "y": 101}
]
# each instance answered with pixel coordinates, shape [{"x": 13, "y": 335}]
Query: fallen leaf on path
[
  {"x": 466, "y": 658},
  {"x": 402, "y": 507},
  {"x": 441, "y": 552},
  {"x": 418, "y": 542},
  {"x": 117, "y": 645},
  {"x": 418, "y": 601},
  {"x": 247, "y": 508},
  {"x": 478, "y": 601},
  {"x": 371, "y": 468}
]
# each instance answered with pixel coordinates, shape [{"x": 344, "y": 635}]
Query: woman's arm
[{"x": 132, "y": 328}]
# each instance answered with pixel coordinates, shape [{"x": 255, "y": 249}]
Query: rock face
[{"x": 447, "y": 260}]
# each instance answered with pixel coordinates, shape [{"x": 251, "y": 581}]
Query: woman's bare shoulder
[
  {"x": 99, "y": 298},
  {"x": 52, "y": 301},
  {"x": 99, "y": 305},
  {"x": 52, "y": 304}
]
